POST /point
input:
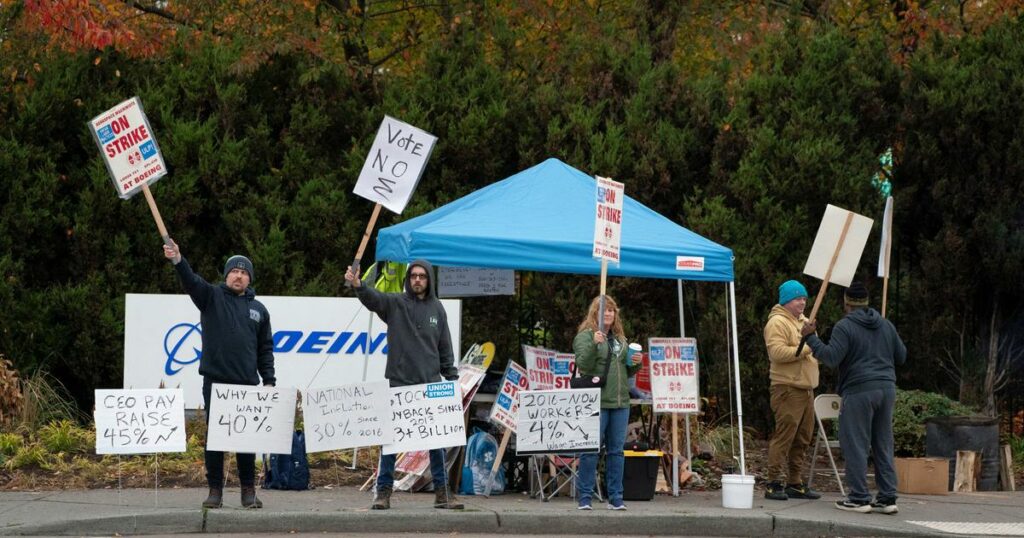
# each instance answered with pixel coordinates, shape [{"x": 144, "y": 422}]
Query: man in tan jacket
[{"x": 793, "y": 380}]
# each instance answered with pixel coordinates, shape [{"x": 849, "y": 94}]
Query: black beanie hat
[
  {"x": 240, "y": 262},
  {"x": 857, "y": 294}
]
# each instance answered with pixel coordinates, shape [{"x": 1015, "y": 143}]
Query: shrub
[
  {"x": 45, "y": 400},
  {"x": 28, "y": 455},
  {"x": 64, "y": 436},
  {"x": 912, "y": 408},
  {"x": 10, "y": 443}
]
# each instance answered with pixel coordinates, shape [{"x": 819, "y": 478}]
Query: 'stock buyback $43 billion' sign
[{"x": 162, "y": 342}]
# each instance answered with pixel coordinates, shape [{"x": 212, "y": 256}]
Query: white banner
[
  {"x": 824, "y": 248},
  {"x": 395, "y": 164},
  {"x": 548, "y": 369},
  {"x": 559, "y": 421},
  {"x": 425, "y": 417},
  {"x": 506, "y": 405},
  {"x": 474, "y": 282},
  {"x": 129, "y": 149},
  {"x": 608, "y": 221},
  {"x": 162, "y": 342},
  {"x": 251, "y": 419},
  {"x": 675, "y": 385},
  {"x": 347, "y": 416},
  {"x": 139, "y": 421}
]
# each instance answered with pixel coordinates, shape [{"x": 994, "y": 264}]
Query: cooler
[{"x": 640, "y": 476}]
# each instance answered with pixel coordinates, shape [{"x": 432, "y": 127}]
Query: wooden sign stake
[
  {"x": 366, "y": 239},
  {"x": 156, "y": 214},
  {"x": 828, "y": 275},
  {"x": 497, "y": 461}
]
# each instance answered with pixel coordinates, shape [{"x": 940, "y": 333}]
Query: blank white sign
[{"x": 825, "y": 246}]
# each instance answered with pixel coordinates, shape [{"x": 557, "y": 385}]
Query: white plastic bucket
[{"x": 738, "y": 491}]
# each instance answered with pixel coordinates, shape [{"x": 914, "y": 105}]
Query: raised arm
[{"x": 198, "y": 289}]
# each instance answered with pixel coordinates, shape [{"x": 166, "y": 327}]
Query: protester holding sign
[
  {"x": 237, "y": 349},
  {"x": 598, "y": 352},
  {"x": 419, "y": 351},
  {"x": 865, "y": 348},
  {"x": 793, "y": 379}
]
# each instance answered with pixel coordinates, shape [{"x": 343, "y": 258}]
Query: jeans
[
  {"x": 386, "y": 470},
  {"x": 865, "y": 422},
  {"x": 215, "y": 460},
  {"x": 613, "y": 437}
]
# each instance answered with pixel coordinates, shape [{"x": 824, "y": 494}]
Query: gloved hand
[{"x": 451, "y": 378}]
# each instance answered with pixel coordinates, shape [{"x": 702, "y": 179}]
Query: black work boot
[
  {"x": 775, "y": 491},
  {"x": 249, "y": 498},
  {"x": 444, "y": 498},
  {"x": 381, "y": 499},
  {"x": 215, "y": 499},
  {"x": 801, "y": 491}
]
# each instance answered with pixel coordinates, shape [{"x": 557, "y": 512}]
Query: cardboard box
[{"x": 925, "y": 476}]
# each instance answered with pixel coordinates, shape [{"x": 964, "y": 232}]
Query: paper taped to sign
[
  {"x": 426, "y": 416},
  {"x": 251, "y": 419},
  {"x": 347, "y": 416},
  {"x": 559, "y": 421},
  {"x": 139, "y": 421}
]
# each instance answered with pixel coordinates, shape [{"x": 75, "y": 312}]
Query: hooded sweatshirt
[
  {"x": 237, "y": 340},
  {"x": 865, "y": 348},
  {"x": 592, "y": 359},
  {"x": 782, "y": 337},
  {"x": 419, "y": 343}
]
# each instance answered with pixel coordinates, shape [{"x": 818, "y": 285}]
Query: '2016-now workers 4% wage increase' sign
[
  {"x": 139, "y": 421},
  {"x": 251, "y": 419},
  {"x": 128, "y": 147},
  {"x": 559, "y": 421},
  {"x": 348, "y": 416}
]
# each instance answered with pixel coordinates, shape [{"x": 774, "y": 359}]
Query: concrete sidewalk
[{"x": 174, "y": 511}]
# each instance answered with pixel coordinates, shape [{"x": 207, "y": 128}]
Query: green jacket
[{"x": 590, "y": 361}]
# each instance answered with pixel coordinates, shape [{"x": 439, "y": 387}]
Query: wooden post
[
  {"x": 828, "y": 275},
  {"x": 156, "y": 214},
  {"x": 885, "y": 279},
  {"x": 1006, "y": 468},
  {"x": 967, "y": 470},
  {"x": 675, "y": 455},
  {"x": 497, "y": 461},
  {"x": 365, "y": 240}
]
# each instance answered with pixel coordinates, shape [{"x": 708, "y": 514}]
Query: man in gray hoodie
[
  {"x": 865, "y": 349},
  {"x": 419, "y": 351}
]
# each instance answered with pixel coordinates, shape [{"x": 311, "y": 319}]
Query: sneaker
[
  {"x": 584, "y": 505},
  {"x": 801, "y": 491},
  {"x": 884, "y": 507},
  {"x": 853, "y": 506},
  {"x": 616, "y": 505},
  {"x": 775, "y": 491}
]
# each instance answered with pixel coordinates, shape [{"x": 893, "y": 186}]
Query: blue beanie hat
[
  {"x": 240, "y": 262},
  {"x": 791, "y": 289}
]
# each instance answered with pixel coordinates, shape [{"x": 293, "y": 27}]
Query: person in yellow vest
[{"x": 793, "y": 379}]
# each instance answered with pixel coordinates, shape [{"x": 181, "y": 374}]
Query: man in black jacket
[
  {"x": 238, "y": 348},
  {"x": 419, "y": 351},
  {"x": 865, "y": 349}
]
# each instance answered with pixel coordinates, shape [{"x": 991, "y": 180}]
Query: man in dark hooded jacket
[
  {"x": 419, "y": 351},
  {"x": 238, "y": 348},
  {"x": 865, "y": 349}
]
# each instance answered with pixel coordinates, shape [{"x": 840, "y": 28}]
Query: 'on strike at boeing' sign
[{"x": 163, "y": 342}]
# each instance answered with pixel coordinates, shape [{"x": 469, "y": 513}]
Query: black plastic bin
[{"x": 640, "y": 476}]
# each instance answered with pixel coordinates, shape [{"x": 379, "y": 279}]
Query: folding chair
[
  {"x": 826, "y": 407},
  {"x": 562, "y": 474}
]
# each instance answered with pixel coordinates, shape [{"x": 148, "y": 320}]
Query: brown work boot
[
  {"x": 381, "y": 499},
  {"x": 444, "y": 498},
  {"x": 249, "y": 498},
  {"x": 215, "y": 499}
]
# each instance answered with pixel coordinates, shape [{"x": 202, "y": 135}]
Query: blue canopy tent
[{"x": 542, "y": 219}]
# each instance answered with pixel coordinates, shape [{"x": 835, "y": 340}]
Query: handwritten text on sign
[
  {"x": 142, "y": 421},
  {"x": 608, "y": 224},
  {"x": 548, "y": 369},
  {"x": 473, "y": 282},
  {"x": 251, "y": 419},
  {"x": 395, "y": 164},
  {"x": 347, "y": 416},
  {"x": 559, "y": 421},
  {"x": 426, "y": 416},
  {"x": 128, "y": 147},
  {"x": 506, "y": 405},
  {"x": 674, "y": 381}
]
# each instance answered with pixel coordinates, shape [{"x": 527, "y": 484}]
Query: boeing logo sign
[
  {"x": 318, "y": 342},
  {"x": 183, "y": 344}
]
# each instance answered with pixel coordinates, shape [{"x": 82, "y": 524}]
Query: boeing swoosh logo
[{"x": 179, "y": 334}]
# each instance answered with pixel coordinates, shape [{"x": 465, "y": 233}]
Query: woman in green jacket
[{"x": 594, "y": 349}]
